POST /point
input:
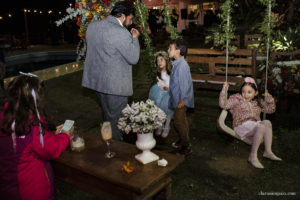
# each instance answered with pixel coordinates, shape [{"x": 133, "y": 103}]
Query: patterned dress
[{"x": 245, "y": 114}]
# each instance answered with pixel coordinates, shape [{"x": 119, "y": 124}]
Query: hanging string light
[{"x": 28, "y": 11}]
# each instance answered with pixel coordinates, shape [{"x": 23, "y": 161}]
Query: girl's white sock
[
  {"x": 158, "y": 130},
  {"x": 166, "y": 128}
]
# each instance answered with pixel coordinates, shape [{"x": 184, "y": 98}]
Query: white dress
[
  {"x": 166, "y": 78},
  {"x": 161, "y": 96}
]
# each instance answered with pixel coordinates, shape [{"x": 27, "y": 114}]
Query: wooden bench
[
  {"x": 208, "y": 67},
  {"x": 236, "y": 41},
  {"x": 294, "y": 54},
  {"x": 252, "y": 41}
]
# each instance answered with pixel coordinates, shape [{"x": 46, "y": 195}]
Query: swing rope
[
  {"x": 267, "y": 60},
  {"x": 226, "y": 67}
]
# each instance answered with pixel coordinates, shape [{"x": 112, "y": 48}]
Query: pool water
[
  {"x": 37, "y": 61},
  {"x": 45, "y": 65}
]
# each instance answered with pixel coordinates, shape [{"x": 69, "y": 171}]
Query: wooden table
[{"x": 91, "y": 171}]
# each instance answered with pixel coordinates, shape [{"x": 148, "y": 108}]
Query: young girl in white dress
[
  {"x": 159, "y": 92},
  {"x": 246, "y": 108}
]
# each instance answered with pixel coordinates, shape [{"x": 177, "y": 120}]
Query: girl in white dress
[{"x": 159, "y": 92}]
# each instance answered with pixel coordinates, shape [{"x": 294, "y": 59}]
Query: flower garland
[
  {"x": 85, "y": 12},
  {"x": 168, "y": 23},
  {"x": 226, "y": 28},
  {"x": 142, "y": 20},
  {"x": 266, "y": 27},
  {"x": 268, "y": 24}
]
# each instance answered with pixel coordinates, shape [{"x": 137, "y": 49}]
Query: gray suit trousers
[{"x": 112, "y": 106}]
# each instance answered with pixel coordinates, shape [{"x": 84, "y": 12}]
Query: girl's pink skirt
[{"x": 246, "y": 128}]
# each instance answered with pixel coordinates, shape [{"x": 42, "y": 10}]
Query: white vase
[{"x": 146, "y": 142}]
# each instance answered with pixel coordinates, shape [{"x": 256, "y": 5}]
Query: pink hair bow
[{"x": 250, "y": 80}]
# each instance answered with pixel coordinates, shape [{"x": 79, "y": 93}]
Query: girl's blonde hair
[{"x": 168, "y": 62}]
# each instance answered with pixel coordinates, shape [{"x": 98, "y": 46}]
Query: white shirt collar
[{"x": 119, "y": 22}]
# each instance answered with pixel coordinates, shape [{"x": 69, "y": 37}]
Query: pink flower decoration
[{"x": 250, "y": 80}]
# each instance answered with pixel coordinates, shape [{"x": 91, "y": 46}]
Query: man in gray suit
[{"x": 111, "y": 52}]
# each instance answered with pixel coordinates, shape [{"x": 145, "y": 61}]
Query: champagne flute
[{"x": 106, "y": 134}]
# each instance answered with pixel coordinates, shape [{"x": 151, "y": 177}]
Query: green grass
[{"x": 218, "y": 167}]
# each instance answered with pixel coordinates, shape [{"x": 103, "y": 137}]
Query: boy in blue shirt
[{"x": 181, "y": 94}]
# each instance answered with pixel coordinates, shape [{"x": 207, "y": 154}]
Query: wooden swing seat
[{"x": 222, "y": 126}]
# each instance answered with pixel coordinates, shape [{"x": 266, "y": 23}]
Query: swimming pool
[
  {"x": 46, "y": 65},
  {"x": 31, "y": 62}
]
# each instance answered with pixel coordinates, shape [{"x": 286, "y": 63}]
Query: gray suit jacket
[{"x": 111, "y": 50}]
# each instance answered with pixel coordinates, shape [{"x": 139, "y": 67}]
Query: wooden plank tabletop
[{"x": 92, "y": 162}]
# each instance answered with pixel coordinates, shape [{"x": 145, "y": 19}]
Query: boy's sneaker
[
  {"x": 177, "y": 144},
  {"x": 185, "y": 150}
]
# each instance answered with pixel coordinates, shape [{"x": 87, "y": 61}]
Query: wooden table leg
[{"x": 166, "y": 192}]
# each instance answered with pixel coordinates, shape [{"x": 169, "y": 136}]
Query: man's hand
[
  {"x": 135, "y": 33},
  {"x": 180, "y": 104},
  {"x": 166, "y": 88}
]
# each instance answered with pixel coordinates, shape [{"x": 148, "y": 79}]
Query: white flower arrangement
[{"x": 141, "y": 117}]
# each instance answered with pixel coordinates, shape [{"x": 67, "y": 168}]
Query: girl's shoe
[
  {"x": 165, "y": 132},
  {"x": 158, "y": 131},
  {"x": 255, "y": 163},
  {"x": 271, "y": 156},
  {"x": 177, "y": 144}
]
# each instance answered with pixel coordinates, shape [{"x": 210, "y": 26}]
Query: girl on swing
[{"x": 246, "y": 107}]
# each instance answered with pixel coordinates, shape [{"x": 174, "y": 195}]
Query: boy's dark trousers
[{"x": 181, "y": 125}]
